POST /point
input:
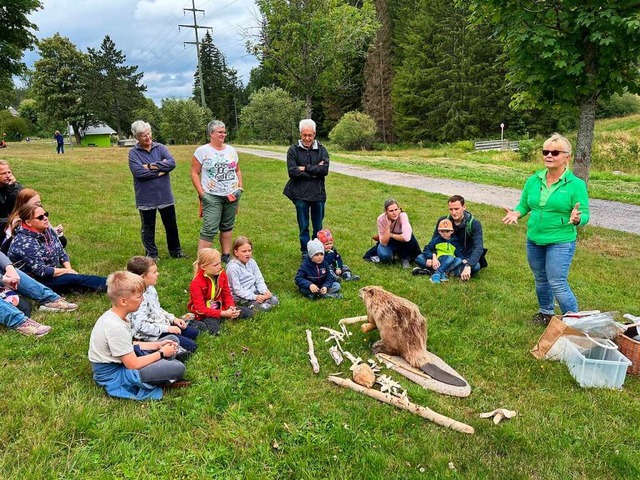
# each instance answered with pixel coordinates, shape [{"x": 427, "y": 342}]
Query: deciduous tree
[
  {"x": 569, "y": 52},
  {"x": 183, "y": 120},
  {"x": 272, "y": 115},
  {"x": 15, "y": 35}
]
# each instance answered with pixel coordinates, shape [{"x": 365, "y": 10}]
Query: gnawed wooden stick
[
  {"x": 312, "y": 355},
  {"x": 347, "y": 321},
  {"x": 424, "y": 412}
]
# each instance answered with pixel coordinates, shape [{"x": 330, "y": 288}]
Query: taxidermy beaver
[{"x": 403, "y": 331}]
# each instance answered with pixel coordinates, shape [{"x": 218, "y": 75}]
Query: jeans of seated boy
[
  {"x": 186, "y": 338},
  {"x": 447, "y": 263},
  {"x": 334, "y": 288},
  {"x": 161, "y": 371}
]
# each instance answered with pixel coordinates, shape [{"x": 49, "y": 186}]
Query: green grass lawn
[{"x": 253, "y": 385}]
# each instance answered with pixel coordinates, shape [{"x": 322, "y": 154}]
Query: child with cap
[
  {"x": 333, "y": 258},
  {"x": 444, "y": 252},
  {"x": 313, "y": 278}
]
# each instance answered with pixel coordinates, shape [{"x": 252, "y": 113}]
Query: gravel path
[{"x": 604, "y": 213}]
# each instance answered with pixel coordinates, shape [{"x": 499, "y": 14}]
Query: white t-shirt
[
  {"x": 110, "y": 339},
  {"x": 218, "y": 175}
]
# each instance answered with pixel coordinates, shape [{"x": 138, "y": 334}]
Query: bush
[
  {"x": 618, "y": 106},
  {"x": 529, "y": 150},
  {"x": 271, "y": 116},
  {"x": 464, "y": 145},
  {"x": 354, "y": 131}
]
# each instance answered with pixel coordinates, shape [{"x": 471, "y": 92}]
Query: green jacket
[{"x": 551, "y": 207}]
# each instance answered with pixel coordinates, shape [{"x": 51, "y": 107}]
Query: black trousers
[{"x": 148, "y": 230}]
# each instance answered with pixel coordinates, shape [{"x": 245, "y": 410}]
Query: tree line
[{"x": 425, "y": 71}]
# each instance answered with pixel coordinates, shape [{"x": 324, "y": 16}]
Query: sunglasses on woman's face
[
  {"x": 43, "y": 216},
  {"x": 554, "y": 153}
]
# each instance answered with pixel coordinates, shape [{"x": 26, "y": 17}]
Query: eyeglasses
[
  {"x": 554, "y": 153},
  {"x": 43, "y": 216}
]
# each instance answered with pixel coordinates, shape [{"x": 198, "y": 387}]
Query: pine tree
[
  {"x": 114, "y": 89},
  {"x": 222, "y": 89},
  {"x": 378, "y": 75}
]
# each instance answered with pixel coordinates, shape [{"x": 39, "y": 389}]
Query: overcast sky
[{"x": 147, "y": 32}]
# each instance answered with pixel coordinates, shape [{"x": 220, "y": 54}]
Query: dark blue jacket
[
  {"x": 333, "y": 259},
  {"x": 152, "y": 185},
  {"x": 37, "y": 254},
  {"x": 310, "y": 272}
]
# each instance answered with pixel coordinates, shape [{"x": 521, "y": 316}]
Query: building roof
[{"x": 99, "y": 129}]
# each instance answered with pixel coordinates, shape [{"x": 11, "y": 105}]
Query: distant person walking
[
  {"x": 558, "y": 203},
  {"x": 307, "y": 165},
  {"x": 59, "y": 142},
  {"x": 150, "y": 163}
]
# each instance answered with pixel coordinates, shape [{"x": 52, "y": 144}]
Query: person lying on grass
[
  {"x": 151, "y": 322},
  {"x": 117, "y": 366},
  {"x": 313, "y": 278},
  {"x": 245, "y": 279},
  {"x": 210, "y": 296}
]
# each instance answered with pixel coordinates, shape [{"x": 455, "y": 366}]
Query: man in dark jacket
[
  {"x": 9, "y": 190},
  {"x": 467, "y": 230},
  {"x": 307, "y": 165}
]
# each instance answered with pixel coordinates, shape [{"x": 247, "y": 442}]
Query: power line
[{"x": 195, "y": 27}]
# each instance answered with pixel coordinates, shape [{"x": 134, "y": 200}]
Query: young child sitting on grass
[
  {"x": 334, "y": 260},
  {"x": 245, "y": 279},
  {"x": 151, "y": 322},
  {"x": 116, "y": 366},
  {"x": 313, "y": 278},
  {"x": 444, "y": 252},
  {"x": 210, "y": 296}
]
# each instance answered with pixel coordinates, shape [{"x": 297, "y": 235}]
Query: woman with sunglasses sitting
[
  {"x": 37, "y": 251},
  {"x": 558, "y": 203},
  {"x": 26, "y": 195}
]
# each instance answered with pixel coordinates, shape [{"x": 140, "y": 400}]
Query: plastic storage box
[{"x": 601, "y": 366}]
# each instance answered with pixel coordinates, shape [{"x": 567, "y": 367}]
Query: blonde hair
[
  {"x": 239, "y": 242},
  {"x": 557, "y": 138},
  {"x": 123, "y": 284},
  {"x": 206, "y": 256}
]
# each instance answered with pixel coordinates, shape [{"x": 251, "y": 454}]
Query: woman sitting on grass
[
  {"x": 36, "y": 250},
  {"x": 26, "y": 196}
]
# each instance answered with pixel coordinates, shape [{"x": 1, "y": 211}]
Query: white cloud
[{"x": 147, "y": 32}]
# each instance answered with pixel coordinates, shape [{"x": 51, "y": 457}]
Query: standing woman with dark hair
[
  {"x": 395, "y": 237},
  {"x": 558, "y": 203},
  {"x": 37, "y": 251}
]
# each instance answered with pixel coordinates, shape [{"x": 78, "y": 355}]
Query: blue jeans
[
  {"x": 448, "y": 262},
  {"x": 550, "y": 265},
  {"x": 334, "y": 288},
  {"x": 11, "y": 316},
  {"x": 75, "y": 281},
  {"x": 302, "y": 215},
  {"x": 403, "y": 250}
]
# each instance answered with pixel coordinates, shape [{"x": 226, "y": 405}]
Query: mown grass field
[{"x": 253, "y": 388}]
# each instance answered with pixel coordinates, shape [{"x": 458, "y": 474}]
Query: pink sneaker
[
  {"x": 59, "y": 305},
  {"x": 31, "y": 327}
]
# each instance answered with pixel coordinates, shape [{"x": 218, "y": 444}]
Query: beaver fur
[{"x": 403, "y": 329}]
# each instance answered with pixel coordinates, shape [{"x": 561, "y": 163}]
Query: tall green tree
[
  {"x": 114, "y": 90},
  {"x": 313, "y": 42},
  {"x": 450, "y": 83},
  {"x": 183, "y": 120},
  {"x": 569, "y": 52},
  {"x": 15, "y": 35},
  {"x": 222, "y": 89},
  {"x": 59, "y": 84},
  {"x": 272, "y": 115}
]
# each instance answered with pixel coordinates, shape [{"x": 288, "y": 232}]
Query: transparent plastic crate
[{"x": 600, "y": 365}]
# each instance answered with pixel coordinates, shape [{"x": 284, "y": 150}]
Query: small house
[{"x": 97, "y": 136}]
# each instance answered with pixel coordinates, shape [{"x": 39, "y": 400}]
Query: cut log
[
  {"x": 312, "y": 356},
  {"x": 347, "y": 321},
  {"x": 424, "y": 412},
  {"x": 367, "y": 327}
]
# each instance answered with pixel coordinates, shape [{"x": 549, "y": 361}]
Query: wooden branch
[
  {"x": 347, "y": 321},
  {"x": 424, "y": 412},
  {"x": 312, "y": 356}
]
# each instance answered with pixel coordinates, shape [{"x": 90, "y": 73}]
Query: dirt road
[{"x": 604, "y": 213}]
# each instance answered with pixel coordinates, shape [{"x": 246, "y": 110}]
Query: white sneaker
[
  {"x": 31, "y": 327},
  {"x": 375, "y": 259},
  {"x": 59, "y": 305}
]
